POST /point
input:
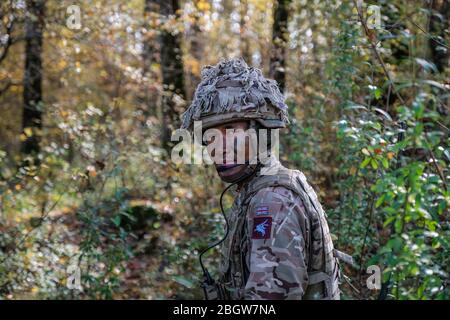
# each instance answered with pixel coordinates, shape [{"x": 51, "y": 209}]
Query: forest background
[{"x": 92, "y": 207}]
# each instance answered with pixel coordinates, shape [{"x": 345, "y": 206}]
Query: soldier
[{"x": 277, "y": 243}]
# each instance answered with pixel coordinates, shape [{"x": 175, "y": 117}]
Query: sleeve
[{"x": 277, "y": 225}]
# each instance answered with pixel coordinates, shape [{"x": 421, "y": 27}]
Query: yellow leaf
[
  {"x": 28, "y": 132},
  {"x": 203, "y": 6},
  {"x": 62, "y": 64}
]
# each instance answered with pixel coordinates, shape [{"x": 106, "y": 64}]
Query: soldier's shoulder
[
  {"x": 272, "y": 200},
  {"x": 274, "y": 193}
]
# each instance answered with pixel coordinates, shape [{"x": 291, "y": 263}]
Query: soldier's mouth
[{"x": 225, "y": 167}]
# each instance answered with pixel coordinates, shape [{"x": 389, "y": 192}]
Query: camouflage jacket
[{"x": 278, "y": 245}]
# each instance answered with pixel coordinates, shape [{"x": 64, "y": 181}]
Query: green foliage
[
  {"x": 369, "y": 126},
  {"x": 393, "y": 204}
]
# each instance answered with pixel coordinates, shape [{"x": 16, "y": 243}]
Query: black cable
[
  {"x": 207, "y": 275},
  {"x": 205, "y": 271}
]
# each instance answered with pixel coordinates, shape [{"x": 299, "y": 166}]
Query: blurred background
[{"x": 92, "y": 207}]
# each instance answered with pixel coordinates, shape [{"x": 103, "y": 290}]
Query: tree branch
[{"x": 375, "y": 51}]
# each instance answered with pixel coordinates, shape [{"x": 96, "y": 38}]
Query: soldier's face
[{"x": 231, "y": 162}]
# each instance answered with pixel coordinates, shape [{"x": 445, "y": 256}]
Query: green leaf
[
  {"x": 442, "y": 205},
  {"x": 388, "y": 221},
  {"x": 395, "y": 243},
  {"x": 418, "y": 110},
  {"x": 418, "y": 129},
  {"x": 398, "y": 225},
  {"x": 374, "y": 163},
  {"x": 377, "y": 93},
  {"x": 116, "y": 220},
  {"x": 379, "y": 201},
  {"x": 414, "y": 270},
  {"x": 365, "y": 162},
  {"x": 385, "y": 162}
]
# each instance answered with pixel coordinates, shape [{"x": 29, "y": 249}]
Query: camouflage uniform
[{"x": 278, "y": 245}]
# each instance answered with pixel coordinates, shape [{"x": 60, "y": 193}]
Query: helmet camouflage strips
[{"x": 233, "y": 91}]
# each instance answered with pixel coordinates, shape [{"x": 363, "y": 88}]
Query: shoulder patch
[
  {"x": 262, "y": 227},
  {"x": 265, "y": 208},
  {"x": 262, "y": 211}
]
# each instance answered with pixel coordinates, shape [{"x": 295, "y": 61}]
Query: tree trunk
[
  {"x": 149, "y": 95},
  {"x": 439, "y": 22},
  {"x": 150, "y": 50},
  {"x": 279, "y": 42},
  {"x": 196, "y": 50},
  {"x": 32, "y": 81},
  {"x": 244, "y": 41},
  {"x": 225, "y": 12},
  {"x": 172, "y": 74}
]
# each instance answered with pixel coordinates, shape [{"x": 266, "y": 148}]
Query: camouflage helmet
[{"x": 232, "y": 91}]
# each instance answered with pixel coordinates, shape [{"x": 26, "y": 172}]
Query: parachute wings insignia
[{"x": 262, "y": 227}]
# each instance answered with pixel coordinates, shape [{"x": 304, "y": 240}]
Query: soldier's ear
[{"x": 259, "y": 126}]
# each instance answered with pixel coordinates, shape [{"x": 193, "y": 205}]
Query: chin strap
[{"x": 249, "y": 170}]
